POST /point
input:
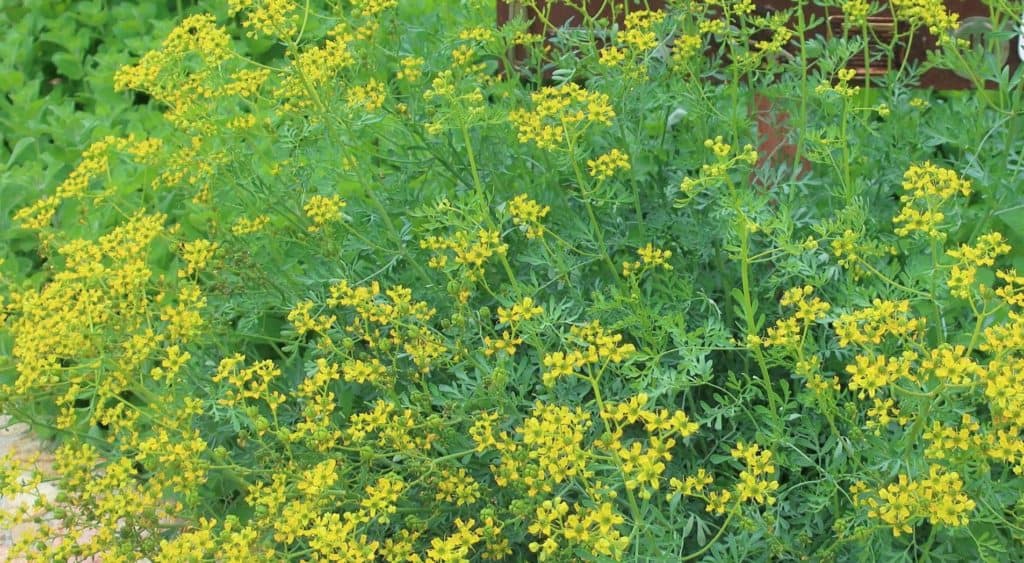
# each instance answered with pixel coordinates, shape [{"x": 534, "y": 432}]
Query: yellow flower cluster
[
  {"x": 597, "y": 346},
  {"x": 754, "y": 481},
  {"x": 928, "y": 187},
  {"x": 944, "y": 441},
  {"x": 387, "y": 322},
  {"x": 372, "y": 8},
  {"x": 315, "y": 67},
  {"x": 246, "y": 226},
  {"x": 790, "y": 331},
  {"x": 175, "y": 458},
  {"x": 457, "y": 487},
  {"x": 717, "y": 171},
  {"x": 196, "y": 254},
  {"x": 101, "y": 312},
  {"x": 471, "y": 252},
  {"x": 246, "y": 83},
  {"x": 606, "y": 165},
  {"x": 882, "y": 413},
  {"x": 304, "y": 322},
  {"x": 650, "y": 258},
  {"x": 855, "y": 12},
  {"x": 781, "y": 36},
  {"x": 95, "y": 164},
  {"x": 248, "y": 383},
  {"x": 386, "y": 429},
  {"x": 952, "y": 365},
  {"x": 323, "y": 210},
  {"x": 644, "y": 19},
  {"x": 643, "y": 467},
  {"x": 871, "y": 325},
  {"x": 1006, "y": 445},
  {"x": 381, "y": 498},
  {"x": 461, "y": 101},
  {"x": 507, "y": 343},
  {"x": 931, "y": 14},
  {"x": 172, "y": 76},
  {"x": 611, "y": 56},
  {"x": 842, "y": 86},
  {"x": 685, "y": 47},
  {"x": 692, "y": 485},
  {"x": 455, "y": 547},
  {"x": 1004, "y": 336},
  {"x": 552, "y": 449},
  {"x": 171, "y": 364},
  {"x": 906, "y": 503},
  {"x": 527, "y": 215},
  {"x": 190, "y": 166},
  {"x": 1004, "y": 384},
  {"x": 560, "y": 114},
  {"x": 851, "y": 248},
  {"x": 660, "y": 420},
  {"x": 463, "y": 56},
  {"x": 718, "y": 146},
  {"x": 869, "y": 373},
  {"x": 970, "y": 258},
  {"x": 1012, "y": 290},
  {"x": 639, "y": 35},
  {"x": 115, "y": 492},
  {"x": 369, "y": 97},
  {"x": 593, "y": 529},
  {"x": 372, "y": 372},
  {"x": 272, "y": 18},
  {"x": 524, "y": 310},
  {"x": 412, "y": 69}
]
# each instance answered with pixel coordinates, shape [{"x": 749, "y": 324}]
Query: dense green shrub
[
  {"x": 367, "y": 297},
  {"x": 57, "y": 61}
]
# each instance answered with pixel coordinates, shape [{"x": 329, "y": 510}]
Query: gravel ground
[{"x": 17, "y": 440}]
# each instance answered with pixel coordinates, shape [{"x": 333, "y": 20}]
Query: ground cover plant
[{"x": 363, "y": 296}]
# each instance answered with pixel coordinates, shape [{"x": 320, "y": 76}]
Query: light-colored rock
[{"x": 27, "y": 451}]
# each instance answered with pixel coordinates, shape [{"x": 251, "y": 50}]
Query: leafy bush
[
  {"x": 377, "y": 299},
  {"x": 57, "y": 61}
]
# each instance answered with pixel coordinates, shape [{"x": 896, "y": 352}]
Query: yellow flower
[
  {"x": 196, "y": 254},
  {"x": 905, "y": 503},
  {"x": 718, "y": 501},
  {"x": 560, "y": 114},
  {"x": 457, "y": 487},
  {"x": 928, "y": 187},
  {"x": 685, "y": 47},
  {"x": 527, "y": 215},
  {"x": 524, "y": 310},
  {"x": 370, "y": 97},
  {"x": 411, "y": 70},
  {"x": 322, "y": 210},
  {"x": 650, "y": 257},
  {"x": 611, "y": 56}
]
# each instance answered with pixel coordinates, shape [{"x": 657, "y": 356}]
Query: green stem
[
  {"x": 395, "y": 235},
  {"x": 940, "y": 329},
  {"x": 581, "y": 183},
  {"x": 802, "y": 124},
  {"x": 634, "y": 508},
  {"x": 717, "y": 535},
  {"x": 889, "y": 280},
  {"x": 478, "y": 189},
  {"x": 748, "y": 311}
]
